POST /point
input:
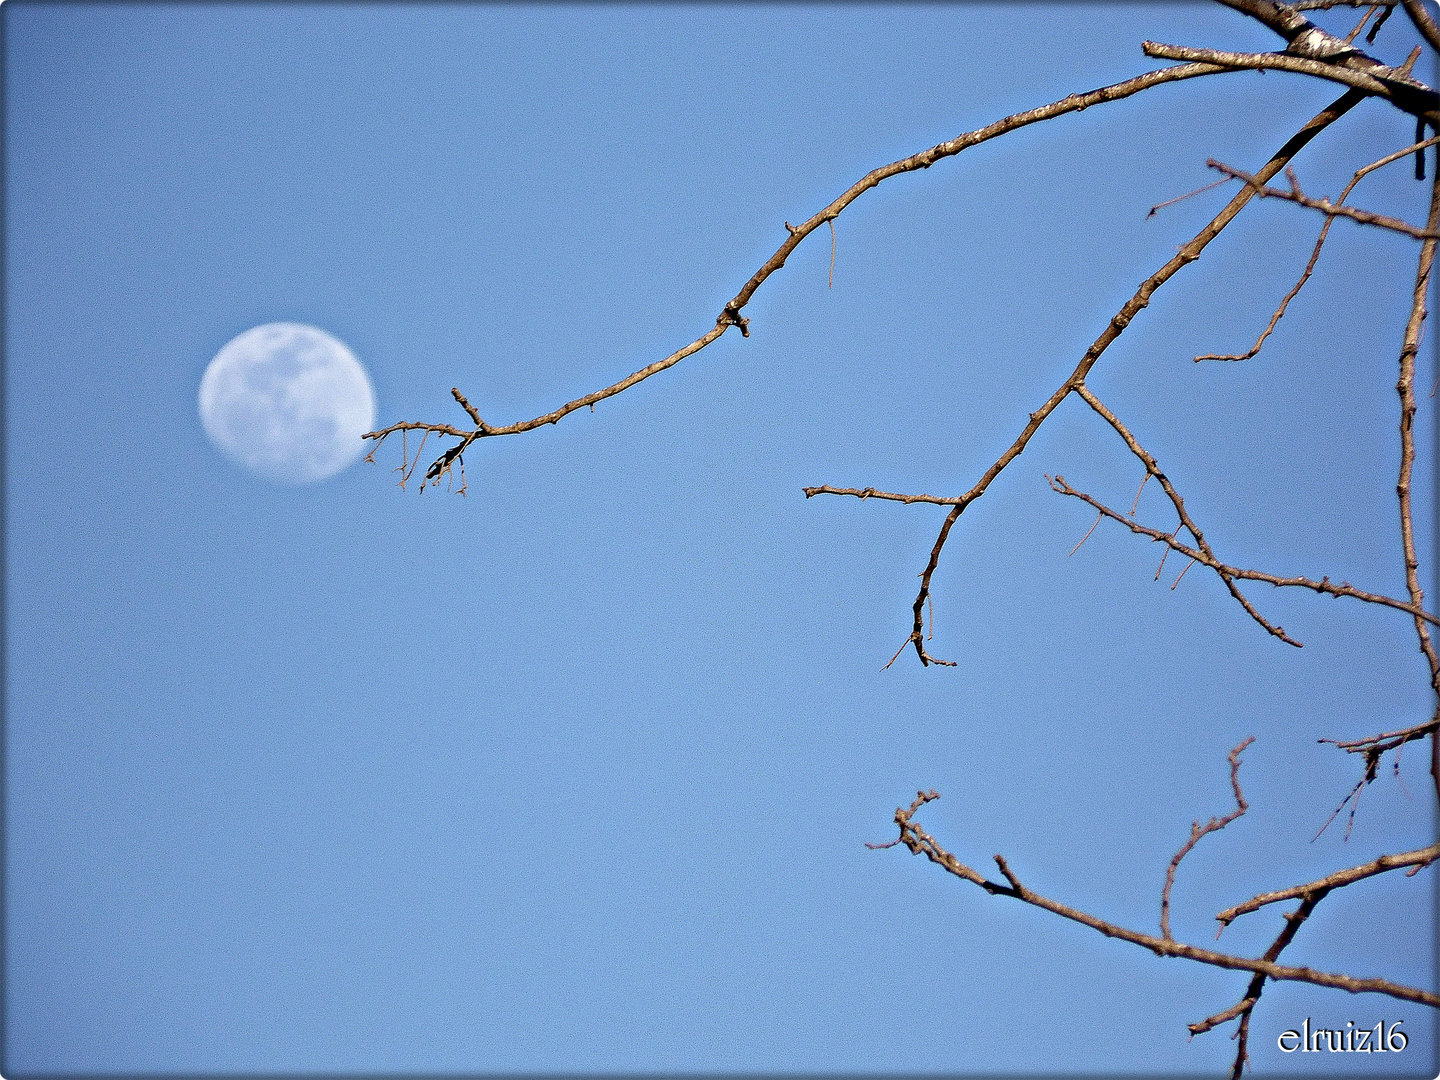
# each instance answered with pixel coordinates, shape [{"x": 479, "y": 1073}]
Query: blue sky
[{"x": 575, "y": 773}]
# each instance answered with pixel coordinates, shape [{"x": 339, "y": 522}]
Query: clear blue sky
[{"x": 575, "y": 773}]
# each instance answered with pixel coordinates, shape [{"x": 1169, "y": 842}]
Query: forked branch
[
  {"x": 1417, "y": 860},
  {"x": 1076, "y": 381},
  {"x": 731, "y": 315},
  {"x": 1324, "y": 586},
  {"x": 920, "y": 842},
  {"x": 1254, "y": 350}
]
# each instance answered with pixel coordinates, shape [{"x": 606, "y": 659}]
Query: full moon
[{"x": 288, "y": 402}]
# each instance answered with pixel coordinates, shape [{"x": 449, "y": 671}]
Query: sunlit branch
[
  {"x": 1424, "y": 22},
  {"x": 921, "y": 842},
  {"x": 731, "y": 313},
  {"x": 1324, "y": 586},
  {"x": 1419, "y": 858},
  {"x": 1325, "y": 206},
  {"x": 1118, "y": 322},
  {"x": 1346, "y": 65},
  {"x": 1254, "y": 350}
]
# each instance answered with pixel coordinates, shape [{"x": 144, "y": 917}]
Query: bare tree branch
[
  {"x": 1324, "y": 586},
  {"x": 730, "y": 315},
  {"x": 1419, "y": 858},
  {"x": 1118, "y": 322},
  {"x": 1392, "y": 84},
  {"x": 1325, "y": 206},
  {"x": 1215, "y": 824},
  {"x": 1405, "y": 387},
  {"x": 1389, "y": 740},
  {"x": 922, "y": 843},
  {"x": 1417, "y": 148},
  {"x": 1310, "y": 51},
  {"x": 871, "y": 493}
]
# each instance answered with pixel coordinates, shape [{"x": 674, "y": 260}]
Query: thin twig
[
  {"x": 1389, "y": 739},
  {"x": 1324, "y": 586},
  {"x": 1361, "y": 24},
  {"x": 1418, "y": 858},
  {"x": 1087, "y": 534},
  {"x": 1325, "y": 206},
  {"x": 832, "y": 253},
  {"x": 1215, "y": 824},
  {"x": 1182, "y": 198}
]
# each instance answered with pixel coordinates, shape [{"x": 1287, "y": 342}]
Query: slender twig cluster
[{"x": 1308, "y": 51}]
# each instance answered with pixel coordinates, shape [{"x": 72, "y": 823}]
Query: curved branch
[
  {"x": 1388, "y": 739},
  {"x": 1392, "y": 84},
  {"x": 1197, "y": 831},
  {"x": 730, "y": 315},
  {"x": 922, "y": 843},
  {"x": 1405, "y": 387}
]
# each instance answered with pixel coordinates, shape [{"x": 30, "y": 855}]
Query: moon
[{"x": 288, "y": 402}]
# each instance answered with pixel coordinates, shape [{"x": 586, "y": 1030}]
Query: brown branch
[
  {"x": 1375, "y": 27},
  {"x": 1205, "y": 553},
  {"x": 1325, "y": 206},
  {"x": 1350, "y": 37},
  {"x": 1181, "y": 198},
  {"x": 1315, "y": 255},
  {"x": 1324, "y": 586},
  {"x": 1246, "y": 1005},
  {"x": 922, "y": 843},
  {"x": 924, "y": 594},
  {"x": 1424, "y": 22},
  {"x": 1405, "y": 387},
  {"x": 1374, "y": 747},
  {"x": 1118, "y": 322},
  {"x": 1392, "y": 84},
  {"x": 455, "y": 391},
  {"x": 1304, "y": 39},
  {"x": 730, "y": 314},
  {"x": 1389, "y": 739},
  {"x": 1215, "y": 824},
  {"x": 1094, "y": 525},
  {"x": 1419, "y": 858},
  {"x": 871, "y": 493}
]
